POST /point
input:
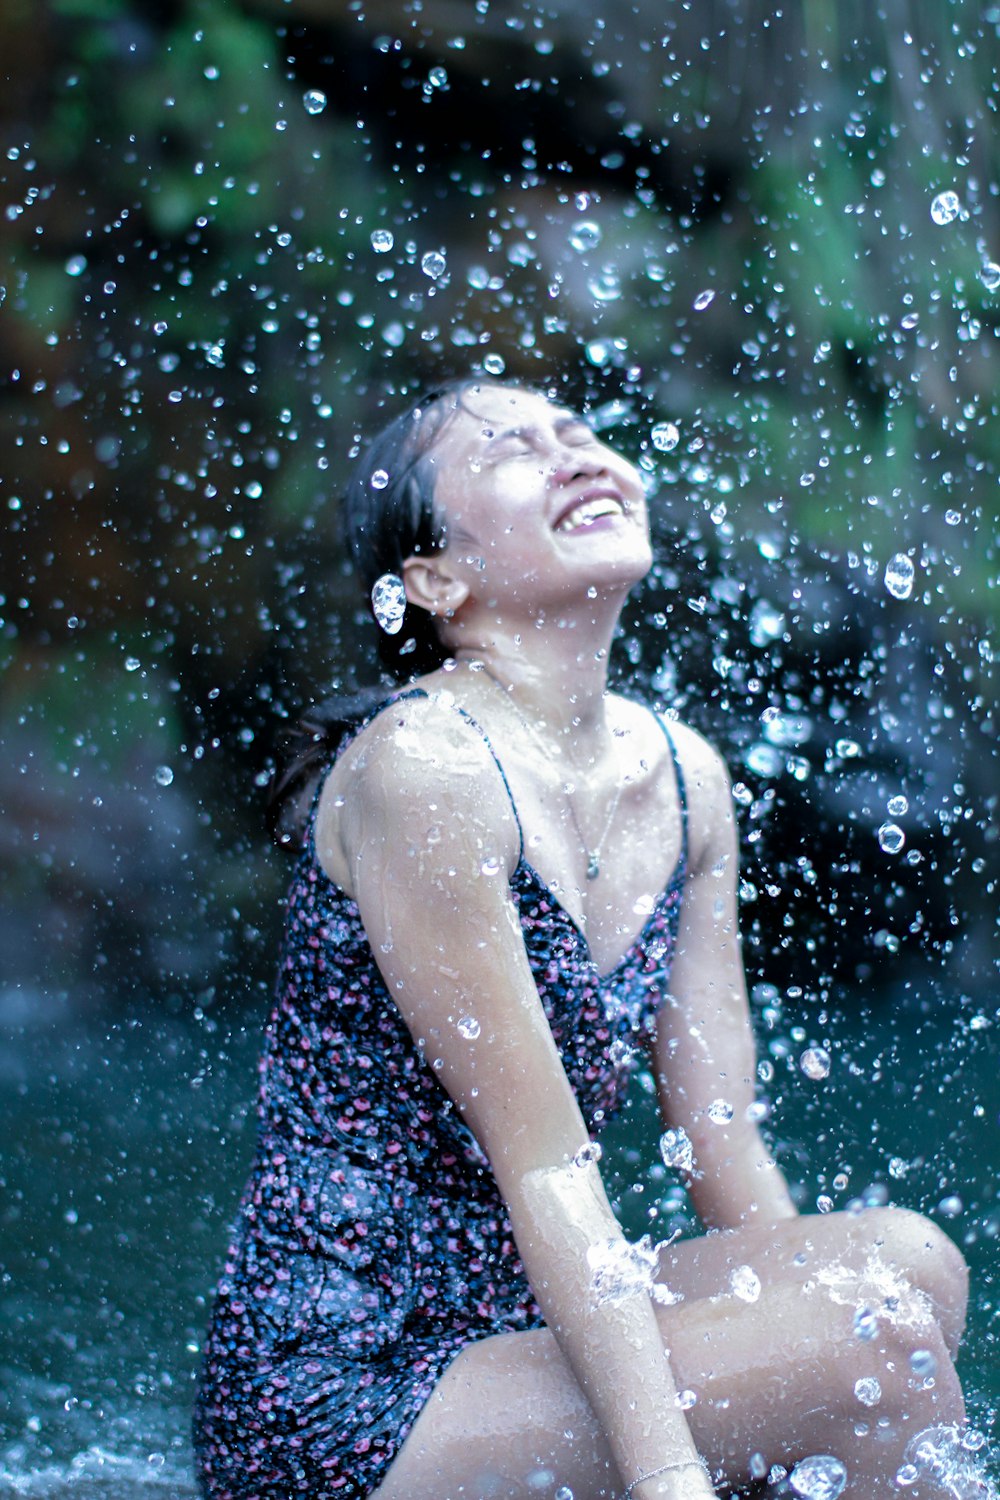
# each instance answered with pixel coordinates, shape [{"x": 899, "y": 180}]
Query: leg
[{"x": 775, "y": 1377}]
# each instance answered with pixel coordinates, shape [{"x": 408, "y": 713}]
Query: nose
[{"x": 570, "y": 460}]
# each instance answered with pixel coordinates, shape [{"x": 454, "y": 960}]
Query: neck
[{"x": 555, "y": 669}]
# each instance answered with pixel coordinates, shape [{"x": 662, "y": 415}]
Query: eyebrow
[{"x": 570, "y": 419}]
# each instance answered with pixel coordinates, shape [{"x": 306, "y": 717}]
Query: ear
[{"x": 432, "y": 586}]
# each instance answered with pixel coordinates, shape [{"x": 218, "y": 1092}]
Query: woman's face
[{"x": 536, "y": 508}]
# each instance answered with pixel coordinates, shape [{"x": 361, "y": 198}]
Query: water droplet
[
  {"x": 898, "y": 1167},
  {"x": 665, "y": 437},
  {"x": 868, "y": 1390},
  {"x": 945, "y": 208},
  {"x": 587, "y": 1154},
  {"x": 677, "y": 1150},
  {"x": 923, "y": 1364},
  {"x": 703, "y": 300},
  {"x": 906, "y": 1475},
  {"x": 899, "y": 573},
  {"x": 382, "y": 241},
  {"x": 586, "y": 235},
  {"x": 952, "y": 517},
  {"x": 943, "y": 1455},
  {"x": 821, "y": 1477},
  {"x": 687, "y": 1398},
  {"x": 164, "y": 775},
  {"x": 389, "y": 602},
  {"x": 897, "y": 806},
  {"x": 950, "y": 1207},
  {"x": 891, "y": 838},
  {"x": 606, "y": 286},
  {"x": 563, "y": 1493},
  {"x": 490, "y": 865},
  {"x": 815, "y": 1063},
  {"x": 433, "y": 264},
  {"x": 469, "y": 1027},
  {"x": 766, "y": 623},
  {"x": 865, "y": 1324},
  {"x": 314, "y": 101},
  {"x": 494, "y": 364},
  {"x": 379, "y": 479},
  {"x": 720, "y": 1111},
  {"x": 621, "y": 1269},
  {"x": 989, "y": 275},
  {"x": 76, "y": 265},
  {"x": 132, "y": 664},
  {"x": 744, "y": 1283},
  {"x": 437, "y": 78}
]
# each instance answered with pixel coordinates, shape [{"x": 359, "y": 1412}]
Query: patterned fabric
[{"x": 372, "y": 1243}]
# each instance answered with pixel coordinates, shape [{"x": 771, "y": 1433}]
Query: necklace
[{"x": 593, "y": 854}]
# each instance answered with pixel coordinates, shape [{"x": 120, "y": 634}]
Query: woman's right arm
[{"x": 428, "y": 833}]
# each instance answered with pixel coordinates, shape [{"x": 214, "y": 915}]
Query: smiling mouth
[{"x": 586, "y": 511}]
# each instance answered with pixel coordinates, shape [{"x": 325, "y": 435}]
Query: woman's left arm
[{"x": 704, "y": 1055}]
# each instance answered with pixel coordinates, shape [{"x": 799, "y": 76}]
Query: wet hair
[{"x": 387, "y": 515}]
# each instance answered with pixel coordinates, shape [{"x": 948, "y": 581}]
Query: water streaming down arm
[
  {"x": 429, "y": 835},
  {"x": 704, "y": 1048}
]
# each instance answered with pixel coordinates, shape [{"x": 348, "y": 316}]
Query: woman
[{"x": 513, "y": 884}]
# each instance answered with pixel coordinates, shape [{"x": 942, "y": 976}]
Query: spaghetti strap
[
  {"x": 503, "y": 774},
  {"x": 681, "y": 786}
]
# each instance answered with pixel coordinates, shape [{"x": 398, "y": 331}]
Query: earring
[{"x": 389, "y": 602}]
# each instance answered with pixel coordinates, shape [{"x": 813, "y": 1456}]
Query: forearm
[
  {"x": 613, "y": 1346},
  {"x": 736, "y": 1181}
]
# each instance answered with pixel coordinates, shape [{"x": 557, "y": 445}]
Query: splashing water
[
  {"x": 588, "y": 1154},
  {"x": 677, "y": 1151},
  {"x": 891, "y": 838},
  {"x": 815, "y": 1063},
  {"x": 720, "y": 1111},
  {"x": 389, "y": 602},
  {"x": 820, "y": 1477},
  {"x": 586, "y": 235},
  {"x": 947, "y": 1459},
  {"x": 899, "y": 573},
  {"x": 946, "y": 208},
  {"x": 433, "y": 264},
  {"x": 744, "y": 1283},
  {"x": 625, "y": 1268},
  {"x": 865, "y": 1324},
  {"x": 665, "y": 437}
]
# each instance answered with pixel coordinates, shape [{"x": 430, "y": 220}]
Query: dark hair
[{"x": 383, "y": 523}]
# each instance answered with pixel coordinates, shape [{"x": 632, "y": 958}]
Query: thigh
[
  {"x": 768, "y": 1363},
  {"x": 877, "y": 1254}
]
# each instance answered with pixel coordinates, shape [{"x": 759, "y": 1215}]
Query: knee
[{"x": 928, "y": 1259}]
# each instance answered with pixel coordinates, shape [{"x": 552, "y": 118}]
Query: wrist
[{"x": 674, "y": 1481}]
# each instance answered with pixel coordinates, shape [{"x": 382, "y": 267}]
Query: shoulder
[{"x": 420, "y": 764}]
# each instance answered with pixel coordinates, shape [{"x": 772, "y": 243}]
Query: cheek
[{"x": 520, "y": 483}]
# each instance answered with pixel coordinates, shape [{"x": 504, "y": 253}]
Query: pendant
[{"x": 593, "y": 867}]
